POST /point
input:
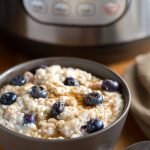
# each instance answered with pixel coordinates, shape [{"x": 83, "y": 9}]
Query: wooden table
[{"x": 131, "y": 133}]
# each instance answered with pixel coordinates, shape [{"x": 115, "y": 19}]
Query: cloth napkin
[{"x": 137, "y": 77}]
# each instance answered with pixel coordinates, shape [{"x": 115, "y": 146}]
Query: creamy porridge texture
[{"x": 58, "y": 103}]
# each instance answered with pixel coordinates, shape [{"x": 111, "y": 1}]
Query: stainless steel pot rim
[{"x": 68, "y": 59}]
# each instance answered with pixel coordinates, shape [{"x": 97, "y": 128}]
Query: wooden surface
[{"x": 131, "y": 133}]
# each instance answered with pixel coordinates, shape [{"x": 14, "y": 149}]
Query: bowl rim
[
  {"x": 35, "y": 139},
  {"x": 138, "y": 144}
]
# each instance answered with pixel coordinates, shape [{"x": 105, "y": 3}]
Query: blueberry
[
  {"x": 110, "y": 85},
  {"x": 93, "y": 99},
  {"x": 8, "y": 98},
  {"x": 38, "y": 92},
  {"x": 93, "y": 126},
  {"x": 57, "y": 108},
  {"x": 29, "y": 118},
  {"x": 42, "y": 66},
  {"x": 71, "y": 82},
  {"x": 18, "y": 80}
]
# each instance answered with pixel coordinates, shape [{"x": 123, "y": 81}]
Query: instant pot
[{"x": 98, "y": 28}]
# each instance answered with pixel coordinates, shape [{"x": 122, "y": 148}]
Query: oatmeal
[{"x": 58, "y": 103}]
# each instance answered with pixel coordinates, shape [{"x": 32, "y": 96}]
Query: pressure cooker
[{"x": 96, "y": 26}]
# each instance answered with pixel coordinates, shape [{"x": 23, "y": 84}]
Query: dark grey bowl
[
  {"x": 144, "y": 145},
  {"x": 101, "y": 140}
]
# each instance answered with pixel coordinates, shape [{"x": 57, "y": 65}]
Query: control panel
[{"x": 76, "y": 12}]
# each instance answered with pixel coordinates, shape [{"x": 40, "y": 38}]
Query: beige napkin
[
  {"x": 138, "y": 79},
  {"x": 143, "y": 70}
]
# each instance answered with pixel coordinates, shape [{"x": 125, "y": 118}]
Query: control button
[
  {"x": 111, "y": 8},
  {"x": 61, "y": 8},
  {"x": 86, "y": 9},
  {"x": 38, "y": 6}
]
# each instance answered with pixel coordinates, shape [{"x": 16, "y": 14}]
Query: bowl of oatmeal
[{"x": 62, "y": 103}]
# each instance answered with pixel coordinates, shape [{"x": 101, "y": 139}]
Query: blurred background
[
  {"x": 112, "y": 32},
  {"x": 103, "y": 30}
]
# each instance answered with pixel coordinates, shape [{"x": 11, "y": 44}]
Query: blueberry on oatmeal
[
  {"x": 69, "y": 81},
  {"x": 42, "y": 66},
  {"x": 18, "y": 81},
  {"x": 93, "y": 99},
  {"x": 57, "y": 108},
  {"x": 8, "y": 98},
  {"x": 110, "y": 85},
  {"x": 29, "y": 118},
  {"x": 93, "y": 125},
  {"x": 38, "y": 92}
]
